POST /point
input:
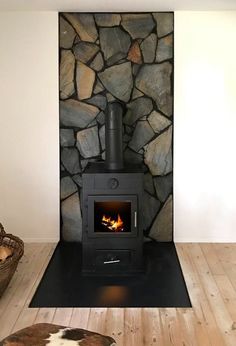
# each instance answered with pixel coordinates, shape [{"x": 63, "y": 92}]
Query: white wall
[
  {"x": 205, "y": 127},
  {"x": 29, "y": 149}
]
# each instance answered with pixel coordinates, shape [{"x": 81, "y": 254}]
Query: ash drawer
[{"x": 112, "y": 258}]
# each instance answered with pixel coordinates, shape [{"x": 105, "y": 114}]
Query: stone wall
[{"x": 125, "y": 57}]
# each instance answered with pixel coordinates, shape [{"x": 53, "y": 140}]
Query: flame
[{"x": 113, "y": 225}]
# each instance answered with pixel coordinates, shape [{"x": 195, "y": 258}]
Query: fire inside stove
[
  {"x": 112, "y": 216},
  {"x": 113, "y": 225}
]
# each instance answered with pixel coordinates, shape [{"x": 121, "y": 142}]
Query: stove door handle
[{"x": 135, "y": 219}]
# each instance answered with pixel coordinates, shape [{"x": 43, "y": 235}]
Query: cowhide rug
[{"x": 43, "y": 334}]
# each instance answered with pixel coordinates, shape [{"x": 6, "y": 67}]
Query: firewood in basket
[{"x": 5, "y": 252}]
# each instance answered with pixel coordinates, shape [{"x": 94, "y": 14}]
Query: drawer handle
[{"x": 112, "y": 261}]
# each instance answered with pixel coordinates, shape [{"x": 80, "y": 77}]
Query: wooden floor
[{"x": 210, "y": 274}]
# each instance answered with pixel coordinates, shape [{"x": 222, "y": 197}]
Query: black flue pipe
[{"x": 114, "y": 143}]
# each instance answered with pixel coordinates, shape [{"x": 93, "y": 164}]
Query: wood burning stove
[{"x": 112, "y": 209}]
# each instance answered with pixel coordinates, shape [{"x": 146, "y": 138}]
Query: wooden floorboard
[{"x": 210, "y": 274}]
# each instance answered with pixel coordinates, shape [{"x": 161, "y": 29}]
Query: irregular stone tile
[
  {"x": 165, "y": 23},
  {"x": 104, "y": 156},
  {"x": 138, "y": 25},
  {"x": 110, "y": 97},
  {"x": 158, "y": 122},
  {"x": 76, "y": 113},
  {"x": 67, "y": 66},
  {"x": 101, "y": 118},
  {"x": 148, "y": 47},
  {"x": 130, "y": 157},
  {"x": 129, "y": 129},
  {"x": 134, "y": 54},
  {"x": 84, "y": 25},
  {"x": 135, "y": 69},
  {"x": 136, "y": 94},
  {"x": 126, "y": 138},
  {"x": 102, "y": 137},
  {"x": 143, "y": 133},
  {"x": 150, "y": 208},
  {"x": 85, "y": 51},
  {"x": 88, "y": 142},
  {"x": 158, "y": 154},
  {"x": 118, "y": 80},
  {"x": 99, "y": 100},
  {"x": 114, "y": 43},
  {"x": 98, "y": 88},
  {"x": 97, "y": 63},
  {"x": 93, "y": 123},
  {"x": 85, "y": 78},
  {"x": 78, "y": 179},
  {"x": 163, "y": 186},
  {"x": 67, "y": 187},
  {"x": 84, "y": 164},
  {"x": 107, "y": 19},
  {"x": 162, "y": 228},
  {"x": 67, "y": 138},
  {"x": 165, "y": 48},
  {"x": 66, "y": 35},
  {"x": 70, "y": 160},
  {"x": 148, "y": 184},
  {"x": 71, "y": 219},
  {"x": 155, "y": 81},
  {"x": 137, "y": 109}
]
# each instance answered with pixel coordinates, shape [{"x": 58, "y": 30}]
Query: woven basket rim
[{"x": 18, "y": 252}]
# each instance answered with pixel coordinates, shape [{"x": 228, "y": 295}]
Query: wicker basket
[{"x": 8, "y": 267}]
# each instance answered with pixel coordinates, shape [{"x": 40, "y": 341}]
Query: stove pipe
[{"x": 114, "y": 144}]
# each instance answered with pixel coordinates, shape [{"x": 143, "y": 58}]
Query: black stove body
[
  {"x": 112, "y": 223},
  {"x": 111, "y": 207}
]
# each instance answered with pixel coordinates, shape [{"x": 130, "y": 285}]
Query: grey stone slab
[
  {"x": 84, "y": 163},
  {"x": 102, "y": 137},
  {"x": 67, "y": 187},
  {"x": 70, "y": 160},
  {"x": 85, "y": 51},
  {"x": 163, "y": 186},
  {"x": 98, "y": 87},
  {"x": 126, "y": 138},
  {"x": 158, "y": 122},
  {"x": 97, "y": 64},
  {"x": 138, "y": 25},
  {"x": 165, "y": 23},
  {"x": 114, "y": 43},
  {"x": 101, "y": 118},
  {"x": 99, "y": 101},
  {"x": 129, "y": 130},
  {"x": 148, "y": 184},
  {"x": 77, "y": 113},
  {"x": 71, "y": 219},
  {"x": 164, "y": 48},
  {"x": 135, "y": 69},
  {"x": 107, "y": 19},
  {"x": 131, "y": 157},
  {"x": 67, "y": 138},
  {"x": 162, "y": 228},
  {"x": 110, "y": 97},
  {"x": 104, "y": 156},
  {"x": 66, "y": 35},
  {"x": 85, "y": 78},
  {"x": 136, "y": 94},
  {"x": 118, "y": 80},
  {"x": 77, "y": 178},
  {"x": 67, "y": 67},
  {"x": 84, "y": 25},
  {"x": 154, "y": 80},
  {"x": 150, "y": 208},
  {"x": 148, "y": 48},
  {"x": 137, "y": 109},
  {"x": 158, "y": 154},
  {"x": 88, "y": 142},
  {"x": 143, "y": 133}
]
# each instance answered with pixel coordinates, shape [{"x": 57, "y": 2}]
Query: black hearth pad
[{"x": 162, "y": 284}]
